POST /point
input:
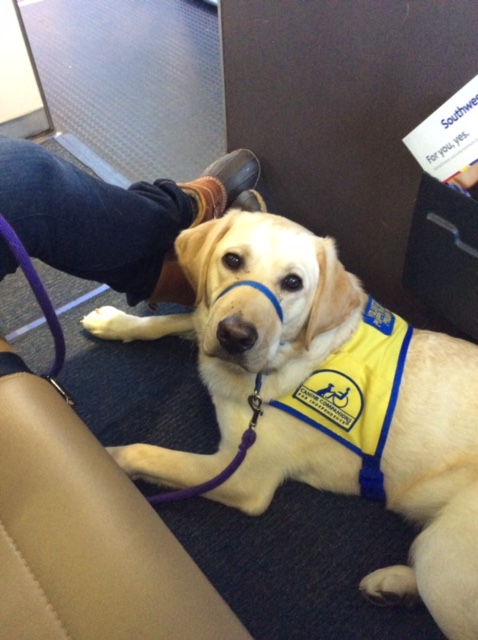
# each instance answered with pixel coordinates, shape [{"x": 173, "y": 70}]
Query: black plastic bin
[{"x": 441, "y": 265}]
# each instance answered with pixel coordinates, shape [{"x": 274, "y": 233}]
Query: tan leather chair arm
[{"x": 82, "y": 554}]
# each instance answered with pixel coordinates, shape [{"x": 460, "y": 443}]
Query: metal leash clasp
[
  {"x": 64, "y": 394},
  {"x": 255, "y": 402}
]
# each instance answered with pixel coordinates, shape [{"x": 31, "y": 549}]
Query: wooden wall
[{"x": 324, "y": 91}]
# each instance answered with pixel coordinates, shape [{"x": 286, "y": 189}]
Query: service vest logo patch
[{"x": 334, "y": 396}]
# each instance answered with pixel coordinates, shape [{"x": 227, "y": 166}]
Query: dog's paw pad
[{"x": 390, "y": 587}]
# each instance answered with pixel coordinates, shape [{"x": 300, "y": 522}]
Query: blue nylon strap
[
  {"x": 11, "y": 363},
  {"x": 371, "y": 476},
  {"x": 260, "y": 287},
  {"x": 371, "y": 479}
]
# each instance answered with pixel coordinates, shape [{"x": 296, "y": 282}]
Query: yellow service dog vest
[{"x": 352, "y": 396}]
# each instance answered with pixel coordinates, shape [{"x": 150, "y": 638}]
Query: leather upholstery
[{"x": 82, "y": 554}]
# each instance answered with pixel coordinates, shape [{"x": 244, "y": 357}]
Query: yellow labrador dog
[{"x": 273, "y": 299}]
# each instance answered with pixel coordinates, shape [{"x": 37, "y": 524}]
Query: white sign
[{"x": 446, "y": 143}]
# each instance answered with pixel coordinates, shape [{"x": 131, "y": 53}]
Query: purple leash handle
[
  {"x": 38, "y": 289},
  {"x": 248, "y": 439}
]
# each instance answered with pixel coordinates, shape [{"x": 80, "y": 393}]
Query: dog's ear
[
  {"x": 194, "y": 248},
  {"x": 338, "y": 292}
]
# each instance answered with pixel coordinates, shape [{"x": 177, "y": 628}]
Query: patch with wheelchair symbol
[{"x": 334, "y": 396}]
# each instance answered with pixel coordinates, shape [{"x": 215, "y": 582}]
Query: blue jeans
[{"x": 85, "y": 227}]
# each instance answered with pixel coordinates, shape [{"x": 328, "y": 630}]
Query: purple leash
[
  {"x": 248, "y": 439},
  {"x": 23, "y": 259}
]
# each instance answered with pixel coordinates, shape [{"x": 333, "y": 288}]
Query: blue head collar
[{"x": 260, "y": 287}]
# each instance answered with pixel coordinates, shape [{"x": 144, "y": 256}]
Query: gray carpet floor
[{"x": 138, "y": 81}]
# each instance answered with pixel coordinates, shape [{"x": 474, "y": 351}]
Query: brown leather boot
[{"x": 214, "y": 192}]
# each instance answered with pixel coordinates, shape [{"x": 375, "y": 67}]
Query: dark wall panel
[{"x": 324, "y": 91}]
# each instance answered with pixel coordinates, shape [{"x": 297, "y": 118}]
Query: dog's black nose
[{"x": 236, "y": 335}]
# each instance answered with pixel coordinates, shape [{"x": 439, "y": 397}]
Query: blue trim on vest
[
  {"x": 371, "y": 477},
  {"x": 260, "y": 287},
  {"x": 395, "y": 391},
  {"x": 316, "y": 425}
]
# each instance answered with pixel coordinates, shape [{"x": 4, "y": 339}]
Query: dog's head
[{"x": 299, "y": 271}]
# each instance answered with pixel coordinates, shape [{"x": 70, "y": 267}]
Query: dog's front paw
[
  {"x": 125, "y": 457},
  {"x": 391, "y": 586},
  {"x": 130, "y": 457},
  {"x": 109, "y": 323}
]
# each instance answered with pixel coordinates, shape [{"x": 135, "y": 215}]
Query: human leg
[
  {"x": 93, "y": 230},
  {"x": 86, "y": 227}
]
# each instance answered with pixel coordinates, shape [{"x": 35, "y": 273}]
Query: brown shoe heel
[{"x": 172, "y": 285}]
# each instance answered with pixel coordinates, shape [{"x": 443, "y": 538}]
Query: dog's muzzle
[{"x": 236, "y": 335}]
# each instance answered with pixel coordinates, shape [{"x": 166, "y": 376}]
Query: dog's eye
[
  {"x": 232, "y": 261},
  {"x": 291, "y": 283}
]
